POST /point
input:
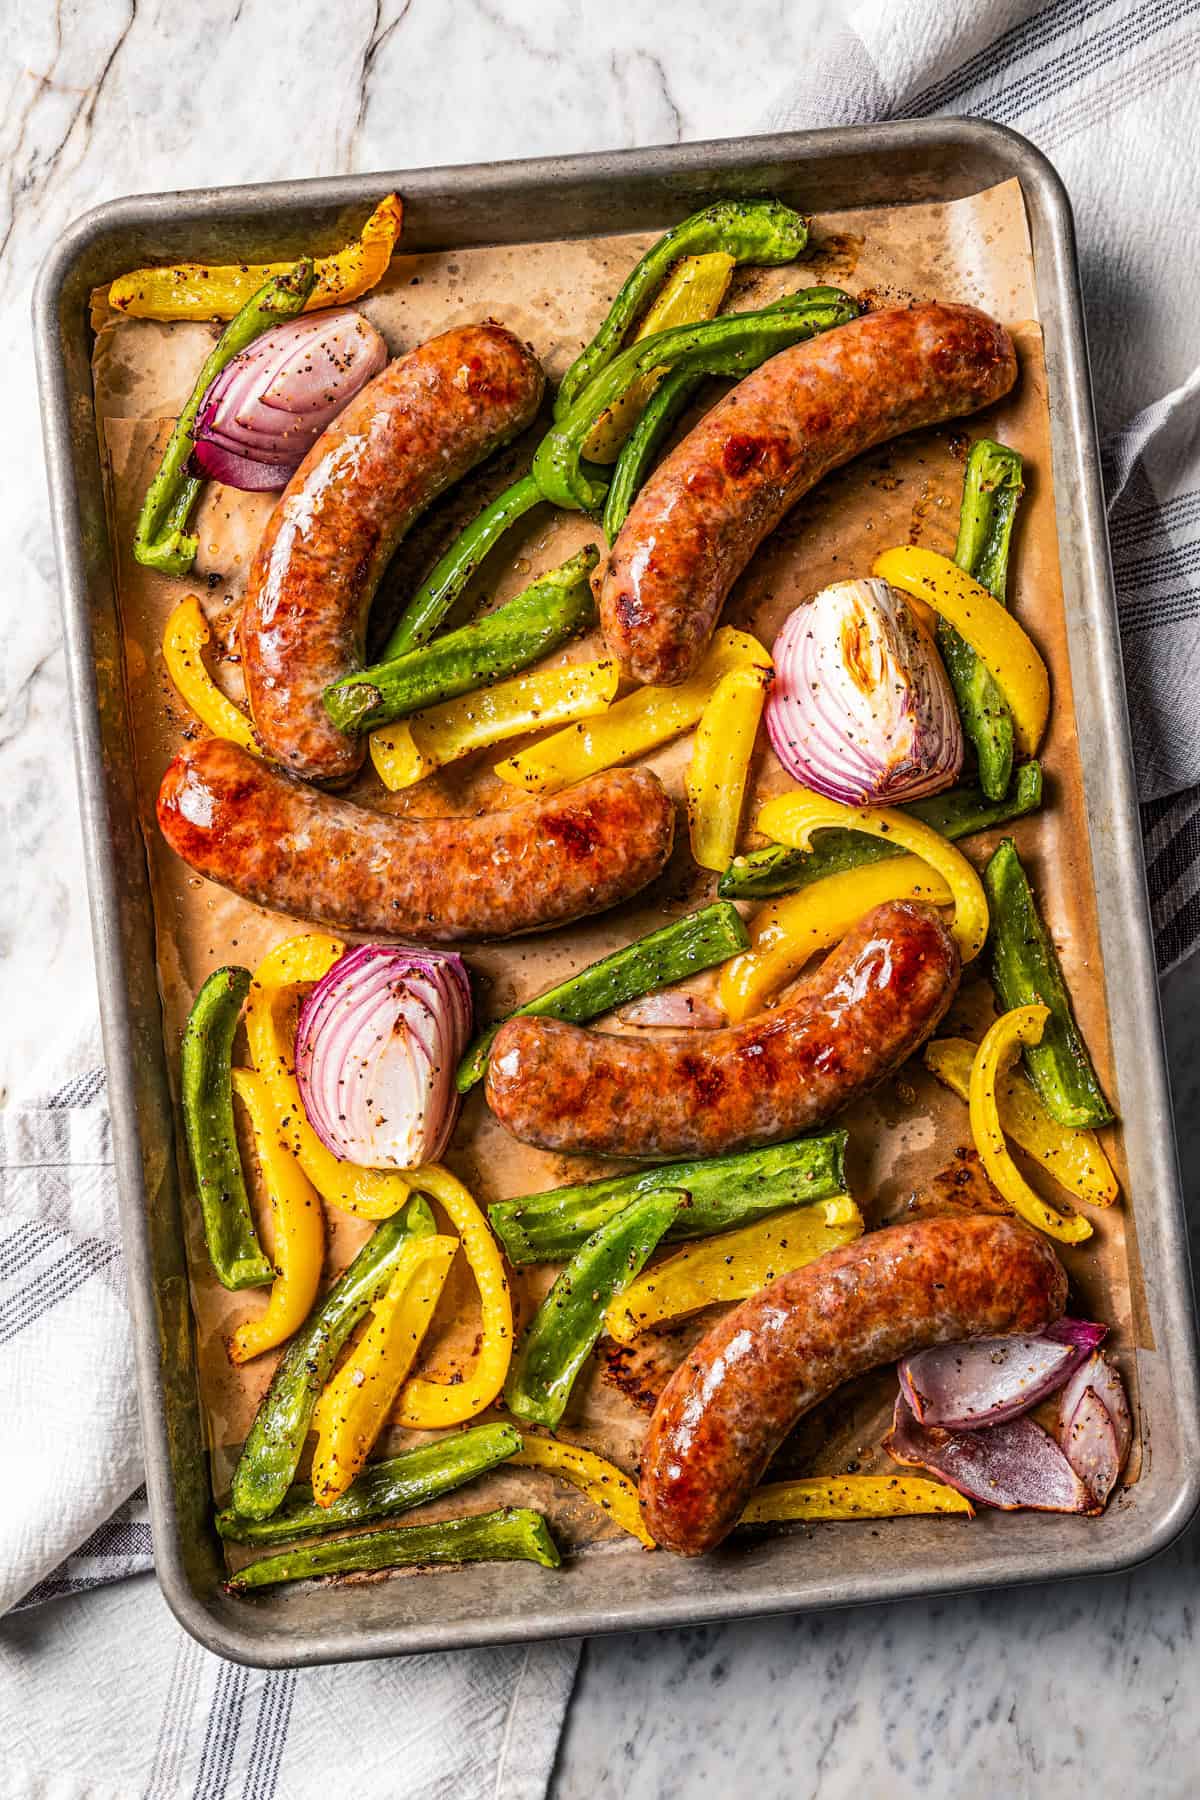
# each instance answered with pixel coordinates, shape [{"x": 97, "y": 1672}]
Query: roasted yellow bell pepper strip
[
  {"x": 410, "y": 749},
  {"x": 185, "y": 639},
  {"x": 1009, "y": 653},
  {"x": 426, "y": 1404},
  {"x": 730, "y": 1266},
  {"x": 792, "y": 818},
  {"x": 692, "y": 291},
  {"x": 1074, "y": 1158},
  {"x": 639, "y": 722},
  {"x": 204, "y": 291},
  {"x": 601, "y": 1481},
  {"x": 1023, "y": 1025},
  {"x": 299, "y": 1228},
  {"x": 716, "y": 777},
  {"x": 354, "y": 1406},
  {"x": 852, "y": 1497},
  {"x": 785, "y": 933},
  {"x": 368, "y": 1193}
]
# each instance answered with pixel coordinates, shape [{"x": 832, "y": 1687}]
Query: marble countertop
[{"x": 1026, "y": 1693}]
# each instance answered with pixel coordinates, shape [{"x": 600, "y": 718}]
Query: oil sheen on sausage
[
  {"x": 282, "y": 844},
  {"x": 871, "y": 1003},
  {"x": 736, "y": 1395},
  {"x": 411, "y": 433},
  {"x": 706, "y": 509}
]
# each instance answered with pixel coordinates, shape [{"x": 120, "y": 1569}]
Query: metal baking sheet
[{"x": 611, "y": 1586}]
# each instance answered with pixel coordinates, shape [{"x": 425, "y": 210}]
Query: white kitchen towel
[
  {"x": 102, "y": 1694},
  {"x": 1107, "y": 89}
]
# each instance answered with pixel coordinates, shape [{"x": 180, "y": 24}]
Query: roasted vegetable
[
  {"x": 785, "y": 933},
  {"x": 722, "y": 1191},
  {"x": 410, "y": 749},
  {"x": 160, "y": 539},
  {"x": 720, "y": 765},
  {"x": 665, "y": 405},
  {"x": 571, "y": 1317},
  {"x": 731, "y": 345},
  {"x": 1012, "y": 1030},
  {"x": 852, "y": 1497},
  {"x": 601, "y": 1481},
  {"x": 959, "y": 813},
  {"x": 731, "y": 1266},
  {"x": 1025, "y": 969},
  {"x": 557, "y": 606},
  {"x": 697, "y": 941},
  {"x": 792, "y": 818},
  {"x": 750, "y": 231},
  {"x": 641, "y": 721},
  {"x": 208, "y": 291},
  {"x": 382, "y": 1489},
  {"x": 299, "y": 1229},
  {"x": 692, "y": 291},
  {"x": 513, "y": 1534},
  {"x": 450, "y": 575},
  {"x": 1005, "y": 649},
  {"x": 276, "y": 1438},
  {"x": 206, "y": 1083},
  {"x": 185, "y": 639},
  {"x": 992, "y": 489}
]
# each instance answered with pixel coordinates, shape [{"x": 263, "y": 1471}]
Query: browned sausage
[
  {"x": 281, "y": 844},
  {"x": 873, "y": 1001},
  {"x": 703, "y": 513},
  {"x": 413, "y": 431},
  {"x": 736, "y": 1395}
]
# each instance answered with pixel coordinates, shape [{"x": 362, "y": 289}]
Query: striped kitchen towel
[
  {"x": 1106, "y": 88},
  {"x": 102, "y": 1692}
]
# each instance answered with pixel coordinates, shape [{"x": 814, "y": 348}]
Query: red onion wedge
[
  {"x": 1009, "y": 1466},
  {"x": 267, "y": 408},
  {"x": 983, "y": 1382},
  {"x": 377, "y": 1045},
  {"x": 1090, "y": 1446},
  {"x": 1097, "y": 1377},
  {"x": 861, "y": 709},
  {"x": 671, "y": 1007}
]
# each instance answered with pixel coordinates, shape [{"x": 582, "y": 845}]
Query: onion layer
[
  {"x": 377, "y": 1044},
  {"x": 267, "y": 408},
  {"x": 861, "y": 709},
  {"x": 1091, "y": 1453},
  {"x": 987, "y": 1380},
  {"x": 1009, "y": 1466}
]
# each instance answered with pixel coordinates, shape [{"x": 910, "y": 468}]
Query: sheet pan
[{"x": 611, "y": 1585}]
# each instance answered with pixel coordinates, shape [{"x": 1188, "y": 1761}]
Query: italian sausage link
[
  {"x": 281, "y": 844},
  {"x": 874, "y": 1000},
  {"x": 734, "y": 1398},
  {"x": 411, "y": 433},
  {"x": 702, "y": 515}
]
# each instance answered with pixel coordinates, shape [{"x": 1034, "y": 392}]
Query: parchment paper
[{"x": 554, "y": 295}]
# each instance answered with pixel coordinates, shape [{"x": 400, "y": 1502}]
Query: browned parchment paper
[{"x": 555, "y": 295}]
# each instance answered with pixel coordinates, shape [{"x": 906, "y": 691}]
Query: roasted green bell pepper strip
[
  {"x": 698, "y": 941},
  {"x": 383, "y": 1488},
  {"x": 511, "y": 1534},
  {"x": 992, "y": 489},
  {"x": 276, "y": 1438},
  {"x": 729, "y": 345},
  {"x": 450, "y": 575},
  {"x": 207, "y": 1095},
  {"x": 558, "y": 606},
  {"x": 664, "y": 406},
  {"x": 957, "y": 813},
  {"x": 721, "y": 1191},
  {"x": 1025, "y": 971},
  {"x": 566, "y": 1325},
  {"x": 751, "y": 231},
  {"x": 160, "y": 540}
]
